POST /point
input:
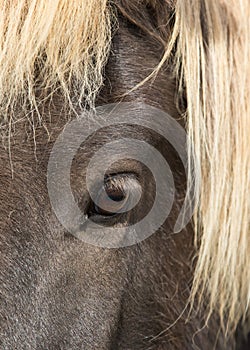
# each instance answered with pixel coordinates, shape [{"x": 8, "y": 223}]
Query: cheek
[{"x": 158, "y": 290}]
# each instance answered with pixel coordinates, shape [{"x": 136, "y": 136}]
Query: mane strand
[
  {"x": 213, "y": 54},
  {"x": 46, "y": 45}
]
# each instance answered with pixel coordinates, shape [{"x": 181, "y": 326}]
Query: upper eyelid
[
  {"x": 120, "y": 180},
  {"x": 124, "y": 175}
]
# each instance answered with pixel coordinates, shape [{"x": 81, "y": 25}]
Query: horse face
[{"x": 58, "y": 292}]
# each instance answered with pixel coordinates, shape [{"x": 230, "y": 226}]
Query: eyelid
[{"x": 121, "y": 174}]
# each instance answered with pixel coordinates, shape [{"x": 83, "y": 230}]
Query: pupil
[{"x": 116, "y": 195}]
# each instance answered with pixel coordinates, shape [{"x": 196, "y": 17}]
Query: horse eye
[{"x": 113, "y": 196}]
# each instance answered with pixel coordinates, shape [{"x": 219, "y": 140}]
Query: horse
[{"x": 77, "y": 77}]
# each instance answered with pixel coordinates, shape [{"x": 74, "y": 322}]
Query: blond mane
[
  {"x": 214, "y": 55},
  {"x": 64, "y": 45},
  {"x": 49, "y": 45}
]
